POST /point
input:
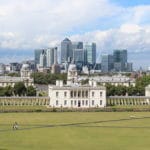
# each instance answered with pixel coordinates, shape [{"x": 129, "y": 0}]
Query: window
[
  {"x": 57, "y": 94},
  {"x": 57, "y": 103},
  {"x": 82, "y": 93},
  {"x": 65, "y": 102},
  {"x": 71, "y": 103},
  {"x": 86, "y": 93},
  {"x": 101, "y": 94},
  {"x": 101, "y": 102},
  {"x": 92, "y": 102},
  {"x": 83, "y": 102},
  {"x": 75, "y": 93},
  {"x": 75, "y": 103},
  {"x": 86, "y": 102},
  {"x": 79, "y": 93},
  {"x": 93, "y": 94},
  {"x": 65, "y": 94},
  {"x": 71, "y": 94}
]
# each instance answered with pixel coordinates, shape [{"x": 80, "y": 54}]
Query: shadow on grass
[{"x": 79, "y": 124}]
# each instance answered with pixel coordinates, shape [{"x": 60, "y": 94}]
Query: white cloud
[
  {"x": 42, "y": 23},
  {"x": 132, "y": 37}
]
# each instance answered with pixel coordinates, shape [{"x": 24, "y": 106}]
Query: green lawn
[{"x": 75, "y": 131}]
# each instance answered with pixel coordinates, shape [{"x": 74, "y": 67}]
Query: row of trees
[
  {"x": 138, "y": 90},
  {"x": 18, "y": 90},
  {"x": 42, "y": 78}
]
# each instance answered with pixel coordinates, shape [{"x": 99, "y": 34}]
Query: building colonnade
[
  {"x": 24, "y": 101},
  {"x": 130, "y": 100}
]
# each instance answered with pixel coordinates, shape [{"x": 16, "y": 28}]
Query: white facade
[
  {"x": 77, "y": 96},
  {"x": 11, "y": 81},
  {"x": 25, "y": 71},
  {"x": 113, "y": 80},
  {"x": 25, "y": 77},
  {"x": 147, "y": 91},
  {"x": 74, "y": 95}
]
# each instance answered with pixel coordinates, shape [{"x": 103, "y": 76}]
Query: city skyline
[{"x": 121, "y": 25}]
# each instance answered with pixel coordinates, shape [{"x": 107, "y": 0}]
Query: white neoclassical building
[
  {"x": 75, "y": 95},
  {"x": 25, "y": 77}
]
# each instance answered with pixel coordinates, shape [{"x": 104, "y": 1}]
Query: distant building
[
  {"x": 7, "y": 68},
  {"x": 15, "y": 67},
  {"x": 85, "y": 70},
  {"x": 77, "y": 45},
  {"x": 25, "y": 78},
  {"x": 120, "y": 59},
  {"x": 90, "y": 49},
  {"x": 66, "y": 51},
  {"x": 107, "y": 63},
  {"x": 43, "y": 60},
  {"x": 55, "y": 69},
  {"x": 79, "y": 57},
  {"x": 25, "y": 71},
  {"x": 113, "y": 80},
  {"x": 37, "y": 54},
  {"x": 129, "y": 67},
  {"x": 2, "y": 69},
  {"x": 51, "y": 55},
  {"x": 31, "y": 64},
  {"x": 74, "y": 95}
]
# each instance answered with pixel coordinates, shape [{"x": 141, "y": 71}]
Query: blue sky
[
  {"x": 112, "y": 24},
  {"x": 130, "y": 3}
]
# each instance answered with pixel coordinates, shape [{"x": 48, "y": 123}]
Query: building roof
[
  {"x": 110, "y": 79},
  {"x": 75, "y": 86},
  {"x": 66, "y": 40},
  {"x": 6, "y": 79}
]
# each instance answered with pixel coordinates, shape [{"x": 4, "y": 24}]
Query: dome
[
  {"x": 25, "y": 67},
  {"x": 72, "y": 67}
]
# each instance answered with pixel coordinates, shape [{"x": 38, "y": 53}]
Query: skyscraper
[
  {"x": 45, "y": 57},
  {"x": 78, "y": 56},
  {"x": 91, "y": 53},
  {"x": 107, "y": 63},
  {"x": 43, "y": 63},
  {"x": 66, "y": 51},
  {"x": 77, "y": 45},
  {"x": 37, "y": 54},
  {"x": 51, "y": 55},
  {"x": 120, "y": 59}
]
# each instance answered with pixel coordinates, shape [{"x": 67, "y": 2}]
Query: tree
[
  {"x": 8, "y": 91},
  {"x": 43, "y": 78},
  {"x": 31, "y": 91},
  {"x": 14, "y": 74},
  {"x": 86, "y": 81},
  {"x": 20, "y": 89},
  {"x": 2, "y": 91}
]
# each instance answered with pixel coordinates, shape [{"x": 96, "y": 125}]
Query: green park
[{"x": 75, "y": 130}]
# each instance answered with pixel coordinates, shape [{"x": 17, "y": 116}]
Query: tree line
[
  {"x": 47, "y": 78},
  {"x": 19, "y": 89},
  {"x": 138, "y": 90}
]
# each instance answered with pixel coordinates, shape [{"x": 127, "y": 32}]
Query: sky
[{"x": 26, "y": 25}]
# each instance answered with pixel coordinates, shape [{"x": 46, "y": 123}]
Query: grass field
[{"x": 75, "y": 131}]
